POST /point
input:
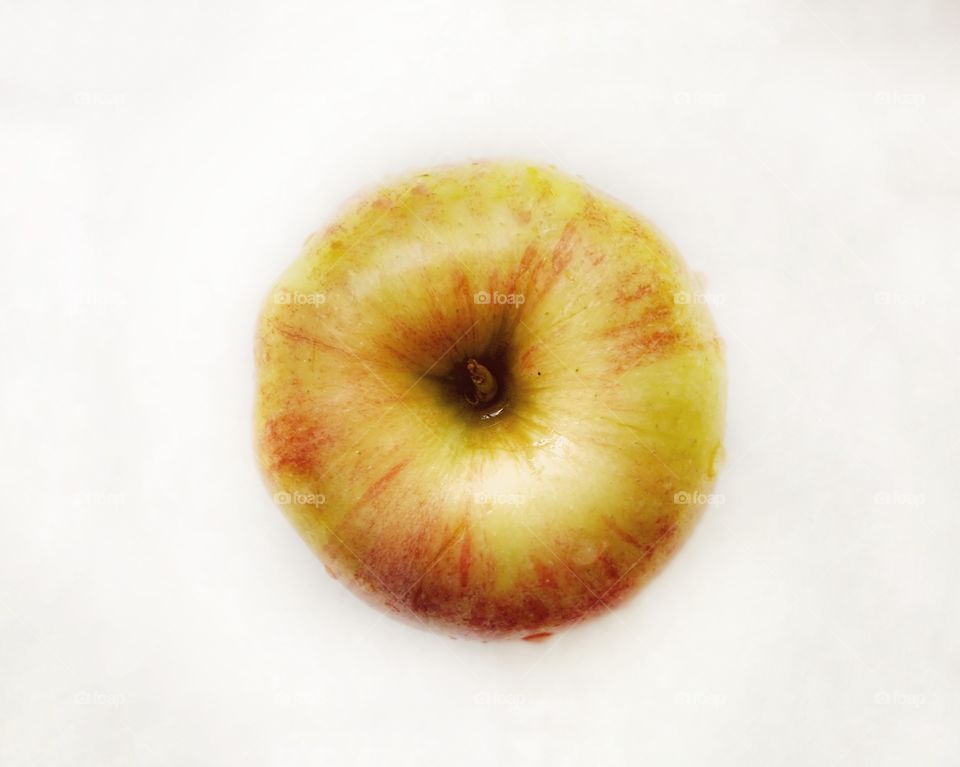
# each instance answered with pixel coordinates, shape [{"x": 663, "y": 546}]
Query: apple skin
[{"x": 611, "y": 414}]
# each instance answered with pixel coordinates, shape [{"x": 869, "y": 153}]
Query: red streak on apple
[
  {"x": 466, "y": 557},
  {"x": 563, "y": 250},
  {"x": 612, "y": 571},
  {"x": 545, "y": 575},
  {"x": 622, "y": 533},
  {"x": 625, "y": 297},
  {"x": 295, "y": 334},
  {"x": 462, "y": 287},
  {"x": 381, "y": 484},
  {"x": 292, "y": 441},
  {"x": 526, "y": 359}
]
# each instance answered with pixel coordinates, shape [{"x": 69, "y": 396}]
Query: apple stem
[{"x": 484, "y": 384}]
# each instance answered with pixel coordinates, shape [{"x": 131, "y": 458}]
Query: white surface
[{"x": 163, "y": 162}]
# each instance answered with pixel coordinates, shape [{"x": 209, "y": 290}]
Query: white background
[{"x": 163, "y": 162}]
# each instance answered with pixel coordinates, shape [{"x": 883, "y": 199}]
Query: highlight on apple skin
[{"x": 486, "y": 401}]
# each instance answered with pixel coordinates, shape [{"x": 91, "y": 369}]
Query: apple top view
[{"x": 486, "y": 400}]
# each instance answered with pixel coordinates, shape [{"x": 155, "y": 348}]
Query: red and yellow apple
[{"x": 484, "y": 402}]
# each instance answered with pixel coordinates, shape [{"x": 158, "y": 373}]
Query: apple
[{"x": 487, "y": 400}]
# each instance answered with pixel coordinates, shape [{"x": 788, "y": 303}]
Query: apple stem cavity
[{"x": 483, "y": 385}]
